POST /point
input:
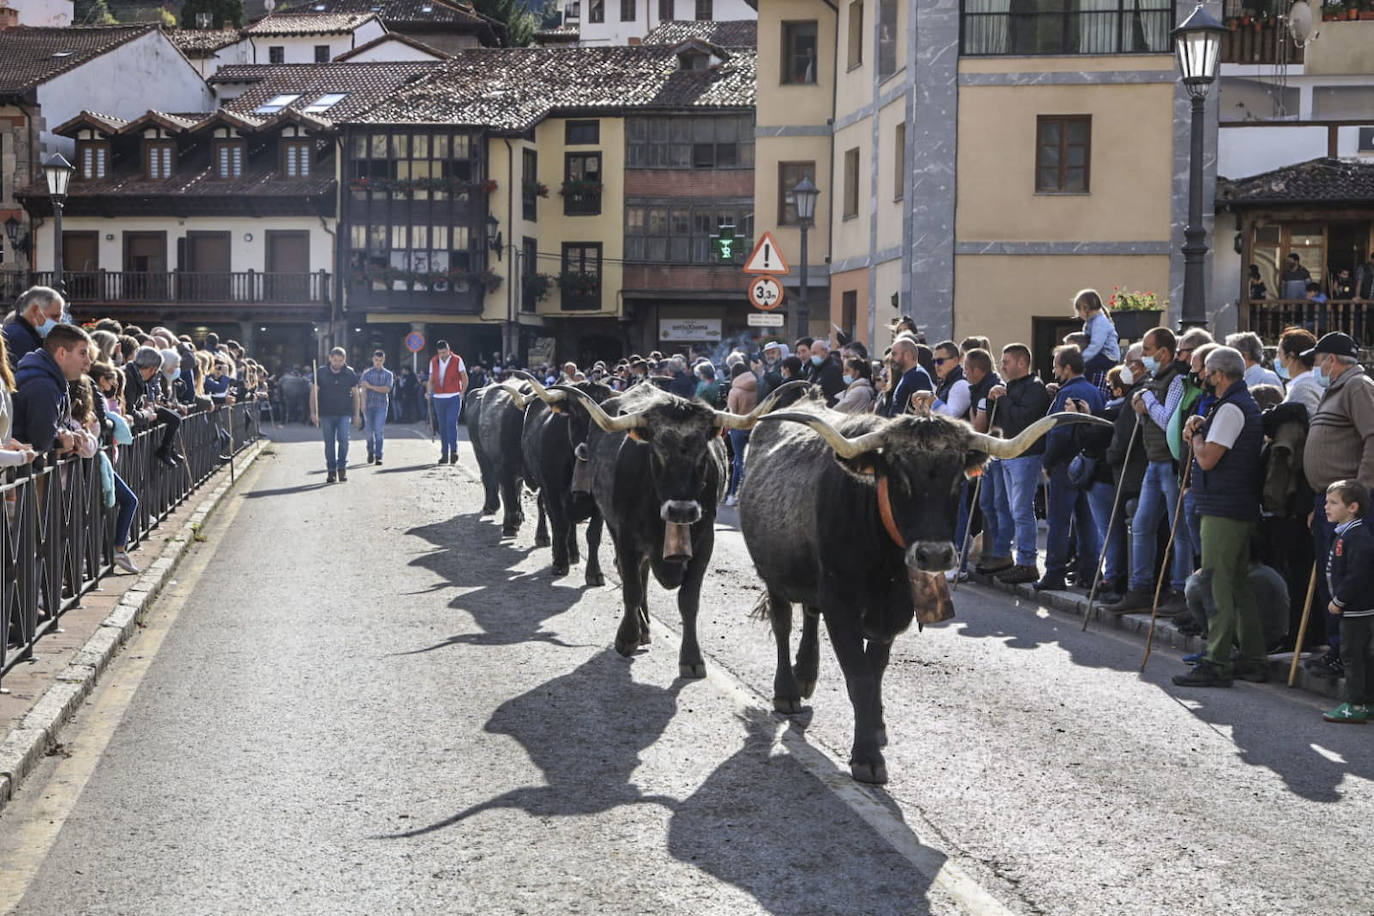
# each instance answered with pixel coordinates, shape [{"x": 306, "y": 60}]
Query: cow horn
[
  {"x": 545, "y": 395},
  {"x": 521, "y": 399},
  {"x": 1012, "y": 448},
  {"x": 727, "y": 420},
  {"x": 620, "y": 424},
  {"x": 844, "y": 446}
]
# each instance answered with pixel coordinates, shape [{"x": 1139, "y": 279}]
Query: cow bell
[
  {"x": 930, "y": 597},
  {"x": 582, "y": 470},
  {"x": 677, "y": 541}
]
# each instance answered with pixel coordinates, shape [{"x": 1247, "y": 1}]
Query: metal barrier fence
[{"x": 57, "y": 536}]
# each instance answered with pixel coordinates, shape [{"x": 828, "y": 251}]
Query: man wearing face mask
[
  {"x": 37, "y": 312},
  {"x": 826, "y": 371},
  {"x": 1340, "y": 446}
]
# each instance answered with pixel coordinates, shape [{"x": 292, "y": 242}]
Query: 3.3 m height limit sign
[{"x": 765, "y": 293}]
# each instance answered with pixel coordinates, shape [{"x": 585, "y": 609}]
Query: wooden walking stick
[
  {"x": 1302, "y": 625},
  {"x": 968, "y": 529},
  {"x": 1111, "y": 522},
  {"x": 1164, "y": 568}
]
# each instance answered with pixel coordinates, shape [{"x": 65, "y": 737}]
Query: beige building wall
[
  {"x": 793, "y": 125},
  {"x": 998, "y": 295},
  {"x": 851, "y": 231},
  {"x": 891, "y": 203}
]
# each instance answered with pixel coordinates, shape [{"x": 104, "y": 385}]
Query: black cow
[
  {"x": 853, "y": 517},
  {"x": 496, "y": 414},
  {"x": 553, "y": 430},
  {"x": 658, "y": 472}
]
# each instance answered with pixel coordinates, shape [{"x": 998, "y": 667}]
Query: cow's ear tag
[
  {"x": 974, "y": 473},
  {"x": 634, "y": 434},
  {"x": 864, "y": 467}
]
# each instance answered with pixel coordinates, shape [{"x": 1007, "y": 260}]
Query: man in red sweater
[{"x": 448, "y": 379}]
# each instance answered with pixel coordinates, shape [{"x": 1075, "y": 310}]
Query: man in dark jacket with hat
[{"x": 1226, "y": 477}]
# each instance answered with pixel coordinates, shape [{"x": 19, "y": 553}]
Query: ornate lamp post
[
  {"x": 58, "y": 171},
  {"x": 1197, "y": 42},
  {"x": 804, "y": 193}
]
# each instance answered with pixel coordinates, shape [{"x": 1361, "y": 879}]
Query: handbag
[{"x": 1082, "y": 470}]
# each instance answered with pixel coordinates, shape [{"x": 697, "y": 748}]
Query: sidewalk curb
[
  {"x": 38, "y": 731},
  {"x": 1075, "y": 605}
]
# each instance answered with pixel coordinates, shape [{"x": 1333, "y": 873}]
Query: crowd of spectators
[{"x": 87, "y": 390}]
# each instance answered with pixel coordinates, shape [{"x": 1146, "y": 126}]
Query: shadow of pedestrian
[
  {"x": 584, "y": 731},
  {"x": 287, "y": 491},
  {"x": 509, "y": 606}
]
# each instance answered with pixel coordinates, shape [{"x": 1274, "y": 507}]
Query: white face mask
[{"x": 1127, "y": 376}]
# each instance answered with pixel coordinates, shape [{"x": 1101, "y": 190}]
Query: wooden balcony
[
  {"x": 1259, "y": 41},
  {"x": 214, "y": 288},
  {"x": 1269, "y": 317}
]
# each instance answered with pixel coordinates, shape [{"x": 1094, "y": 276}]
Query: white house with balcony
[
  {"x": 623, "y": 22},
  {"x": 309, "y": 37}
]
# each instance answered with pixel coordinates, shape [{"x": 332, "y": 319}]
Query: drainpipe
[
  {"x": 830, "y": 222},
  {"x": 512, "y": 344}
]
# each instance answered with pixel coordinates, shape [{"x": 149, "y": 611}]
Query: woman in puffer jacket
[{"x": 858, "y": 394}]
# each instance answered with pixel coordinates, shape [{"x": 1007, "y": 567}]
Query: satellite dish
[
  {"x": 1299, "y": 21},
  {"x": 270, "y": 5}
]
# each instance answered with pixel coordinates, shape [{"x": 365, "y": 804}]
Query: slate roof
[
  {"x": 307, "y": 23},
  {"x": 513, "y": 89},
  {"x": 364, "y": 83},
  {"x": 742, "y": 33},
  {"x": 267, "y": 183},
  {"x": 31, "y": 56},
  {"x": 562, "y": 34},
  {"x": 200, "y": 43},
  {"x": 392, "y": 36},
  {"x": 1317, "y": 181}
]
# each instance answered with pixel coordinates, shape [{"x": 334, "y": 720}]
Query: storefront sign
[{"x": 689, "y": 330}]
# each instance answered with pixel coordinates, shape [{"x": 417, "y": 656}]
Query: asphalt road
[{"x": 359, "y": 698}]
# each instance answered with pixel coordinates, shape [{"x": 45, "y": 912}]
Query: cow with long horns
[
  {"x": 657, "y": 473},
  {"x": 853, "y": 518},
  {"x": 496, "y": 416},
  {"x": 554, "y": 428}
]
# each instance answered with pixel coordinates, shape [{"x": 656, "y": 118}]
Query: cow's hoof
[
  {"x": 595, "y": 579},
  {"x": 626, "y": 648},
  {"x": 806, "y": 688},
  {"x": 490, "y": 509},
  {"x": 560, "y": 569},
  {"x": 542, "y": 540},
  {"x": 788, "y": 706},
  {"x": 509, "y": 531},
  {"x": 692, "y": 670},
  {"x": 872, "y": 773}
]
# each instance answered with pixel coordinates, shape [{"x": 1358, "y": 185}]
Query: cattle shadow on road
[
  {"x": 758, "y": 821},
  {"x": 1311, "y": 756},
  {"x": 509, "y": 607}
]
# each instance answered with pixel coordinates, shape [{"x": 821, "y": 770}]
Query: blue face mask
[
  {"x": 1151, "y": 364},
  {"x": 816, "y": 360},
  {"x": 47, "y": 325},
  {"x": 848, "y": 379},
  {"x": 1281, "y": 371},
  {"x": 1323, "y": 380}
]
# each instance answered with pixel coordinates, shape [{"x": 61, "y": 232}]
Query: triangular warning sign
[{"x": 766, "y": 259}]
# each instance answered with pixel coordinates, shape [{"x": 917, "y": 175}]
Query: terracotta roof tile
[
  {"x": 401, "y": 12},
  {"x": 307, "y": 23},
  {"x": 1323, "y": 180},
  {"x": 743, "y": 33},
  {"x": 197, "y": 43},
  {"x": 364, "y": 84},
  {"x": 30, "y": 56},
  {"x": 513, "y": 89},
  {"x": 392, "y": 36}
]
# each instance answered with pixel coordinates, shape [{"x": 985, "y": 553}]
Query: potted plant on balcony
[
  {"x": 489, "y": 279},
  {"x": 537, "y": 188},
  {"x": 1134, "y": 312},
  {"x": 1352, "y": 9},
  {"x": 1367, "y": 9},
  {"x": 537, "y": 286},
  {"x": 577, "y": 283},
  {"x": 1332, "y": 10},
  {"x": 580, "y": 187}
]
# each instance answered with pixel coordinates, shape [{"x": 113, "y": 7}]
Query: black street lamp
[
  {"x": 58, "y": 171},
  {"x": 804, "y": 193},
  {"x": 1197, "y": 42}
]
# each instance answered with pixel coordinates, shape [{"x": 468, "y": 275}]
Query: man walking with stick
[
  {"x": 448, "y": 379},
  {"x": 1226, "y": 473},
  {"x": 333, "y": 401}
]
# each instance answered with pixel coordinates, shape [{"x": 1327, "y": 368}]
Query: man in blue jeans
[
  {"x": 376, "y": 384},
  {"x": 1020, "y": 402},
  {"x": 333, "y": 401},
  {"x": 1069, "y": 506}
]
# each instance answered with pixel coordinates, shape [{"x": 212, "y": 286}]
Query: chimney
[{"x": 9, "y": 18}]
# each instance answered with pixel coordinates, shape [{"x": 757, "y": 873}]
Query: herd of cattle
[{"x": 851, "y": 516}]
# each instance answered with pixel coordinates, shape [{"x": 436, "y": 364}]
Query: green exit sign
[{"x": 723, "y": 242}]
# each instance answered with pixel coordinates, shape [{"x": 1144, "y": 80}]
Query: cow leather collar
[{"x": 885, "y": 510}]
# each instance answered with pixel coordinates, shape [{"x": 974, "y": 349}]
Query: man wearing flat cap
[{"x": 1340, "y": 446}]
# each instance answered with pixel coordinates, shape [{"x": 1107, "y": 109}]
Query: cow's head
[
  {"x": 558, "y": 399},
  {"x": 917, "y": 463},
  {"x": 678, "y": 434}
]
